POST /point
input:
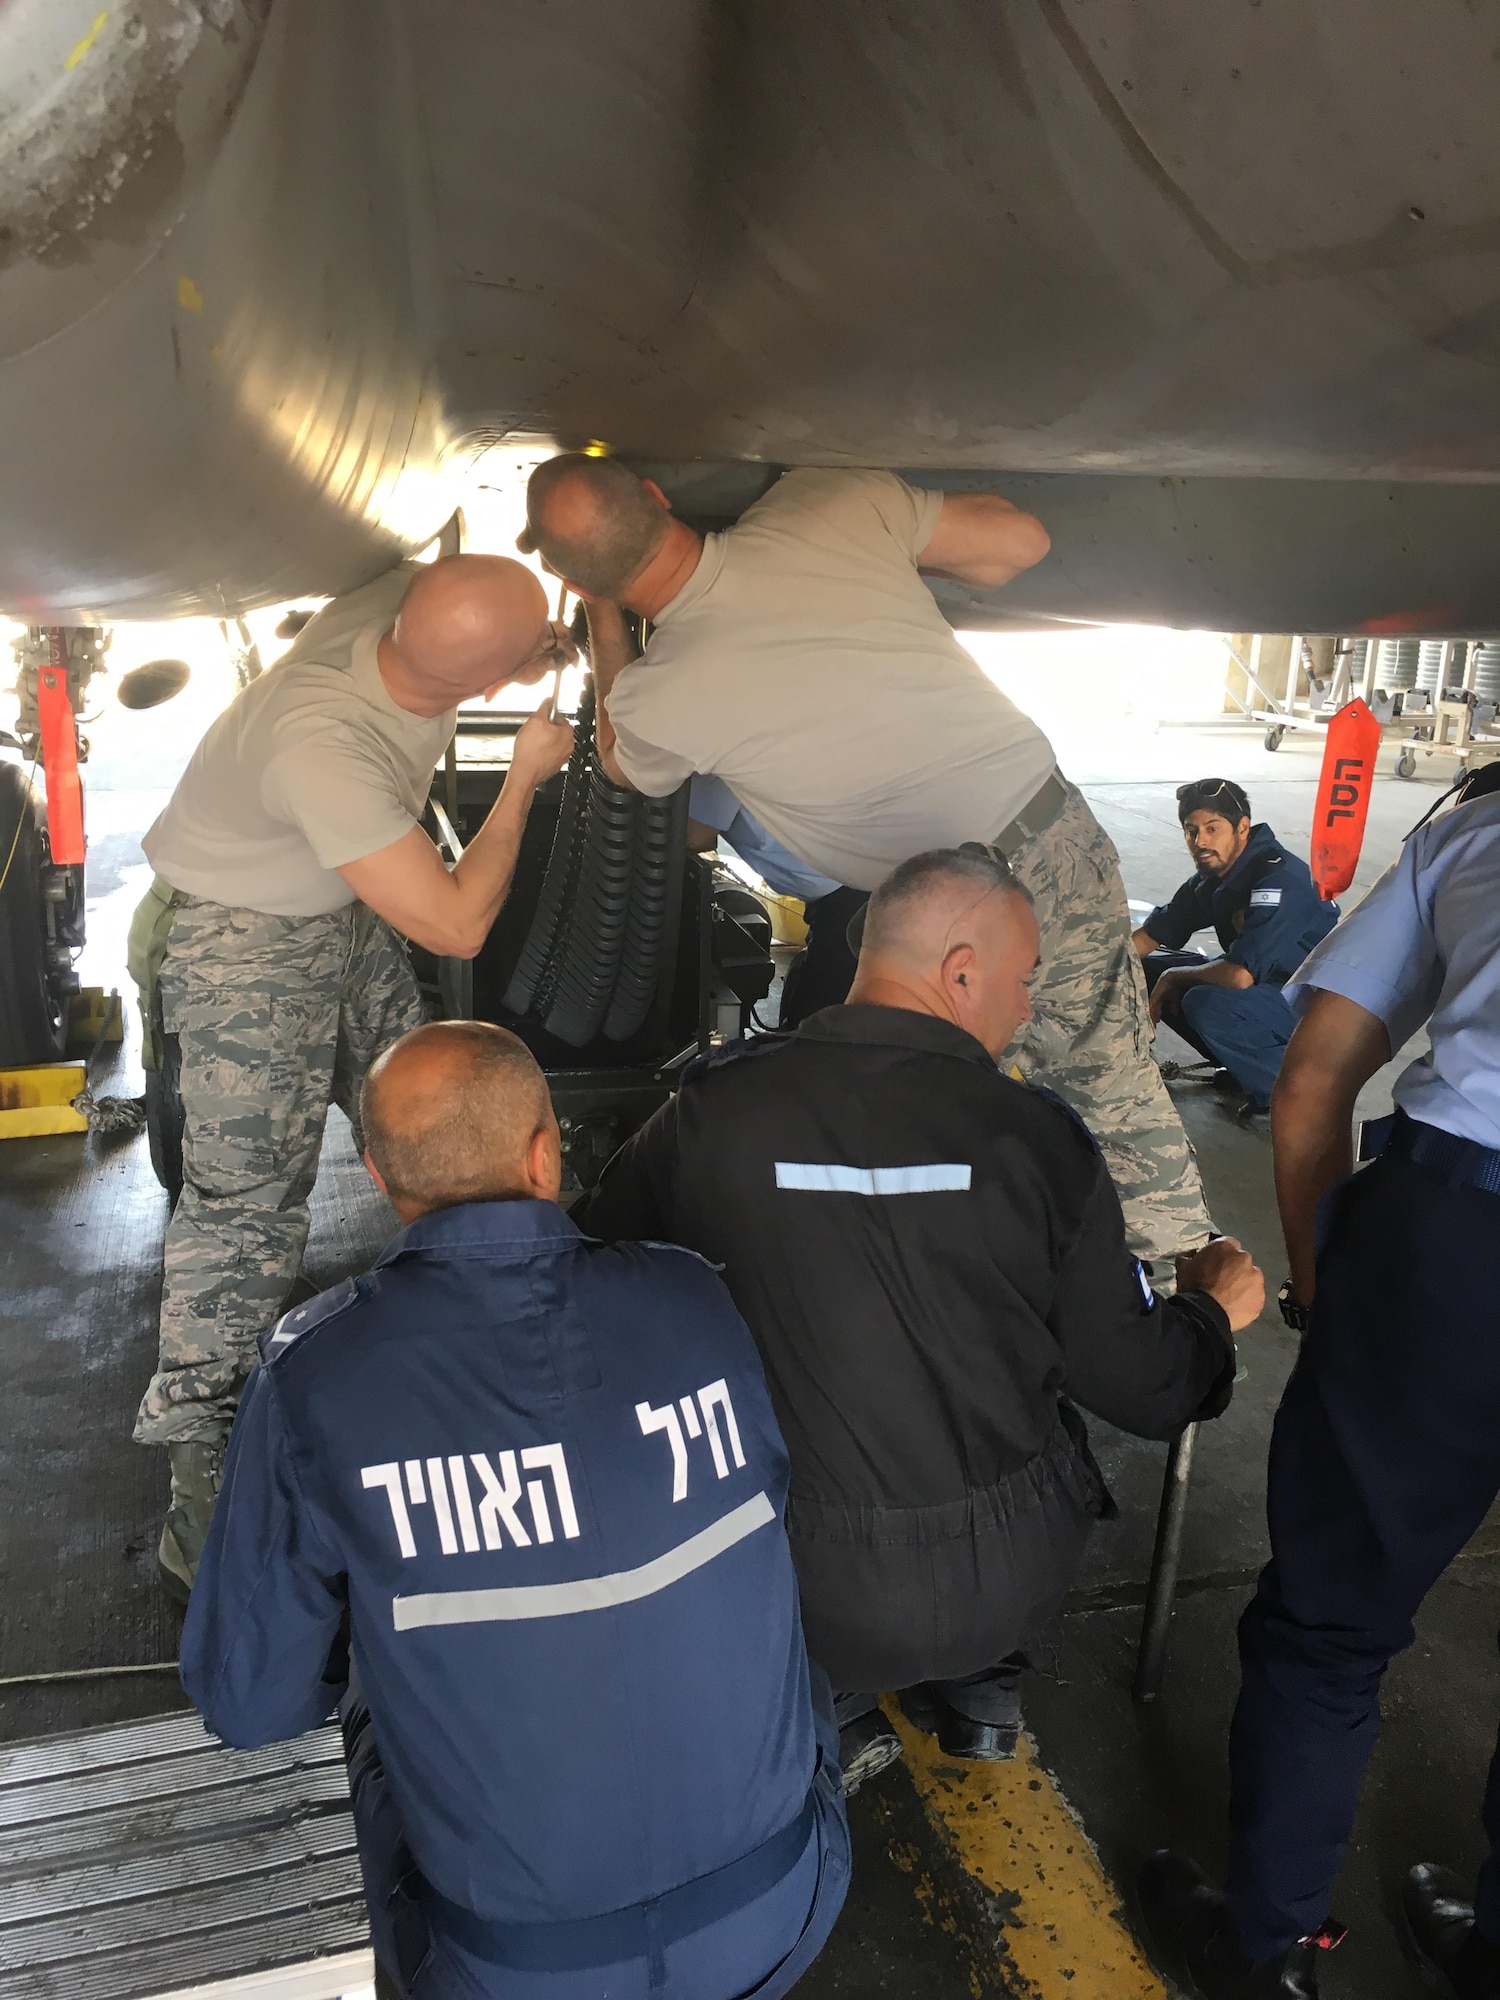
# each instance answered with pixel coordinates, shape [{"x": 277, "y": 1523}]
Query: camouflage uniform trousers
[
  {"x": 277, "y": 1018},
  {"x": 1089, "y": 1038}
]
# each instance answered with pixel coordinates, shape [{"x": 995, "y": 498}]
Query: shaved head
[
  {"x": 594, "y": 521},
  {"x": 915, "y": 908},
  {"x": 952, "y": 933},
  {"x": 456, "y": 1112},
  {"x": 467, "y": 624}
]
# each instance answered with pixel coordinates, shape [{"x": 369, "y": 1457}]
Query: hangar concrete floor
[{"x": 970, "y": 1882}]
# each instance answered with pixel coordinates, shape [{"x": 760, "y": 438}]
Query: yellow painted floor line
[{"x": 1014, "y": 1833}]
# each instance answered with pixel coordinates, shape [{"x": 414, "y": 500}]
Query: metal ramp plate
[{"x": 145, "y": 1859}]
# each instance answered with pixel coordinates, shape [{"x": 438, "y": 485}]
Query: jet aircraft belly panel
[{"x": 304, "y": 254}]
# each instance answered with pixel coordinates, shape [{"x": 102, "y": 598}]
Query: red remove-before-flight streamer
[{"x": 1343, "y": 803}]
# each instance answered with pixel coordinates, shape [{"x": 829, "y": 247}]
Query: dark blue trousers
[
  {"x": 757, "y": 1952},
  {"x": 1385, "y": 1457},
  {"x": 1243, "y": 1029}
]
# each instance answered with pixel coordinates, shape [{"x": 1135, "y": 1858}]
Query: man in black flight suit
[{"x": 931, "y": 1257}]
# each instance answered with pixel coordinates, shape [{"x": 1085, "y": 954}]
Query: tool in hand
[{"x": 557, "y": 671}]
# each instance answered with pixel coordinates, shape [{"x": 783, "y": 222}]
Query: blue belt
[
  {"x": 644, "y": 1930},
  {"x": 1460, "y": 1162}
]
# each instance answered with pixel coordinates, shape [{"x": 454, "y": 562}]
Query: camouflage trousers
[
  {"x": 1089, "y": 1038},
  {"x": 277, "y": 1017}
]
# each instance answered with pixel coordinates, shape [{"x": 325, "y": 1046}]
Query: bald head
[
  {"x": 952, "y": 933},
  {"x": 594, "y": 521},
  {"x": 468, "y": 624},
  {"x": 459, "y": 1111}
]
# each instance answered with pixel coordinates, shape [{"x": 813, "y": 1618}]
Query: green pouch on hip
[{"x": 144, "y": 952}]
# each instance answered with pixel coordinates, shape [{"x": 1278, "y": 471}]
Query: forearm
[
  {"x": 1144, "y": 943},
  {"x": 1145, "y": 1362},
  {"x": 1168, "y": 990},
  {"x": 610, "y": 651},
  {"x": 1335, "y": 1049},
  {"x": 480, "y": 882},
  {"x": 1217, "y": 972},
  {"x": 1149, "y": 1374},
  {"x": 1312, "y": 1138}
]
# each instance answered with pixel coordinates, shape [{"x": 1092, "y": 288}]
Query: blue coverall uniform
[
  {"x": 1385, "y": 1455},
  {"x": 543, "y": 1481},
  {"x": 822, "y": 973},
  {"x": 1268, "y": 916}
]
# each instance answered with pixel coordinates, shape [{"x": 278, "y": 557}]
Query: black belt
[
  {"x": 643, "y": 1930},
  {"x": 1034, "y": 817},
  {"x": 1460, "y": 1162}
]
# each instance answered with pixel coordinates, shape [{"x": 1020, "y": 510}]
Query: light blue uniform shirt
[
  {"x": 711, "y": 802},
  {"x": 1424, "y": 945}
]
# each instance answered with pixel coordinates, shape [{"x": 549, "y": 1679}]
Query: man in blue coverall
[
  {"x": 541, "y": 1481},
  {"x": 823, "y": 971},
  {"x": 1385, "y": 1456},
  {"x": 1261, "y": 901}
]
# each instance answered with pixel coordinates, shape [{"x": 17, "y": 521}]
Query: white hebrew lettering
[
  {"x": 416, "y": 1491},
  {"x": 541, "y": 1520},
  {"x": 498, "y": 1501},
  {"x": 690, "y": 1421},
  {"x": 389, "y": 1476},
  {"x": 463, "y": 1506},
  {"x": 437, "y": 1486},
  {"x": 665, "y": 1419},
  {"x": 550, "y": 1458},
  {"x": 718, "y": 1392}
]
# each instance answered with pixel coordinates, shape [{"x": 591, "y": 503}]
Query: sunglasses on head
[{"x": 1204, "y": 790}]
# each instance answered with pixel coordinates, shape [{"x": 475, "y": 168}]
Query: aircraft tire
[{"x": 164, "y": 1117}]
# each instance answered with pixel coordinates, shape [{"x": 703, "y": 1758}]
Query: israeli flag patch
[{"x": 1264, "y": 899}]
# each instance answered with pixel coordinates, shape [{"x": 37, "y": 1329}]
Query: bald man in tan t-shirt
[{"x": 288, "y": 860}]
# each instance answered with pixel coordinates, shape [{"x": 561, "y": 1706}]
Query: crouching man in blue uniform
[
  {"x": 1261, "y": 901},
  {"x": 541, "y": 1481}
]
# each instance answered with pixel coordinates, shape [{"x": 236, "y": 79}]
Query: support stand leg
[{"x": 1166, "y": 1558}]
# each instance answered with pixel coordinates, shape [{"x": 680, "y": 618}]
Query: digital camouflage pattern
[
  {"x": 277, "y": 1018},
  {"x": 1089, "y": 1038}
]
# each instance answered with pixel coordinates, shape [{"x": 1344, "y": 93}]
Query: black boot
[
  {"x": 867, "y": 1745},
  {"x": 1459, "y": 1962},
  {"x": 960, "y": 1735},
  {"x": 1188, "y": 1920}
]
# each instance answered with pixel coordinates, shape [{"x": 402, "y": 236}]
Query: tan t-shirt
[
  {"x": 806, "y": 663},
  {"x": 313, "y": 766}
]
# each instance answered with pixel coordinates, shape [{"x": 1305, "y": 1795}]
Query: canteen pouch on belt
[{"x": 144, "y": 952}]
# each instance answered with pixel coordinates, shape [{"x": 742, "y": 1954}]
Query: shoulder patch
[
  {"x": 302, "y": 1319},
  {"x": 743, "y": 1049},
  {"x": 1265, "y": 899}
]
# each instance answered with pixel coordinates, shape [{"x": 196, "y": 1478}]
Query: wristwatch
[{"x": 1295, "y": 1315}]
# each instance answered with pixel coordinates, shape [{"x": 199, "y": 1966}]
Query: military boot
[
  {"x": 1458, "y": 1960},
  {"x": 1188, "y": 1919},
  {"x": 197, "y": 1466}
]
